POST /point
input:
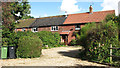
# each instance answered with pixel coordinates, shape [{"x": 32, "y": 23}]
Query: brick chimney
[
  {"x": 66, "y": 14},
  {"x": 90, "y": 9},
  {"x": 119, "y": 8}
]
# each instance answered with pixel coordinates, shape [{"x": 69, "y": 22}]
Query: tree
[
  {"x": 20, "y": 10},
  {"x": 115, "y": 19},
  {"x": 13, "y": 11}
]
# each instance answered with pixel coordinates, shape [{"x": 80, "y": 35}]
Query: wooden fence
[{"x": 111, "y": 56}]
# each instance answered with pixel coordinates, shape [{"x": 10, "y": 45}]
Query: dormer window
[
  {"x": 34, "y": 29},
  {"x": 77, "y": 27},
  {"x": 54, "y": 28}
]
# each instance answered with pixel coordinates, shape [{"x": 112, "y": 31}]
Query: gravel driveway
[{"x": 60, "y": 56}]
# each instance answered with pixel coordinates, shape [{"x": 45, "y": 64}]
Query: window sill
[
  {"x": 77, "y": 28},
  {"x": 35, "y": 31},
  {"x": 54, "y": 30}
]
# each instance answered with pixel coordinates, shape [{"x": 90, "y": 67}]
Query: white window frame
[
  {"x": 77, "y": 28},
  {"x": 23, "y": 29},
  {"x": 54, "y": 28},
  {"x": 36, "y": 29}
]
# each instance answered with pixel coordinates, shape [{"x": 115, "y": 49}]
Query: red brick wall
[
  {"x": 44, "y": 29},
  {"x": 70, "y": 28},
  {"x": 20, "y": 29}
]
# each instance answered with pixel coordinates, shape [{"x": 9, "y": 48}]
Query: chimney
[
  {"x": 66, "y": 14},
  {"x": 119, "y": 8},
  {"x": 90, "y": 9}
]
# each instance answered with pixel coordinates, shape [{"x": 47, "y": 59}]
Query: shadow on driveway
[
  {"x": 71, "y": 53},
  {"x": 80, "y": 66},
  {"x": 75, "y": 54}
]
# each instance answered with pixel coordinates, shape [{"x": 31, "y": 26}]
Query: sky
[{"x": 45, "y": 8}]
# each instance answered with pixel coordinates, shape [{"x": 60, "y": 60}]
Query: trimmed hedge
[{"x": 29, "y": 47}]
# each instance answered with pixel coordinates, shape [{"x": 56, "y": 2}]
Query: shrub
[
  {"x": 14, "y": 37},
  {"x": 82, "y": 39},
  {"x": 73, "y": 42},
  {"x": 49, "y": 38},
  {"x": 5, "y": 41},
  {"x": 96, "y": 39},
  {"x": 57, "y": 38},
  {"x": 29, "y": 47}
]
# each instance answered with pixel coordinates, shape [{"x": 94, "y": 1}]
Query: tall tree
[
  {"x": 13, "y": 11},
  {"x": 20, "y": 9}
]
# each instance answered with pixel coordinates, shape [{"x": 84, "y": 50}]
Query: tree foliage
[{"x": 13, "y": 11}]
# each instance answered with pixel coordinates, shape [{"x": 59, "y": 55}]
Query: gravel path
[{"x": 60, "y": 56}]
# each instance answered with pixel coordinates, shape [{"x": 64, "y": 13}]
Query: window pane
[
  {"x": 56, "y": 27},
  {"x": 51, "y": 27},
  {"x": 23, "y": 29},
  {"x": 77, "y": 26},
  {"x": 36, "y": 29}
]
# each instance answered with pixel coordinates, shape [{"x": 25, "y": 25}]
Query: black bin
[{"x": 12, "y": 52}]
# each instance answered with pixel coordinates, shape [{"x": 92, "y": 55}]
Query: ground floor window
[
  {"x": 23, "y": 29},
  {"x": 54, "y": 28},
  {"x": 77, "y": 27},
  {"x": 34, "y": 29}
]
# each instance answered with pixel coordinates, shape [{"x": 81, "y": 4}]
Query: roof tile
[{"x": 86, "y": 17}]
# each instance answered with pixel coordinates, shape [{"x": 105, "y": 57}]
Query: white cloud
[
  {"x": 69, "y": 6},
  {"x": 35, "y": 16},
  {"x": 110, "y": 5},
  {"x": 45, "y": 15}
]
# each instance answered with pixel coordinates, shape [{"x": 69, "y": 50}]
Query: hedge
[
  {"x": 97, "y": 38},
  {"x": 29, "y": 47}
]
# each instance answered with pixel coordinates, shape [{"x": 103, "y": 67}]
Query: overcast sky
[{"x": 44, "y": 8}]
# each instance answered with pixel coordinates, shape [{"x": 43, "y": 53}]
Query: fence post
[
  {"x": 99, "y": 45},
  {"x": 110, "y": 53}
]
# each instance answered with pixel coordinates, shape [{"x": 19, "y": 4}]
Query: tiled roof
[
  {"x": 87, "y": 17},
  {"x": 25, "y": 23},
  {"x": 61, "y": 20},
  {"x": 49, "y": 21}
]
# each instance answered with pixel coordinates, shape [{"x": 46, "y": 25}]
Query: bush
[
  {"x": 49, "y": 38},
  {"x": 14, "y": 37},
  {"x": 29, "y": 47},
  {"x": 96, "y": 39},
  {"x": 82, "y": 39},
  {"x": 5, "y": 41},
  {"x": 73, "y": 42}
]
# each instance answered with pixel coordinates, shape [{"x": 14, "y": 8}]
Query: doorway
[{"x": 64, "y": 39}]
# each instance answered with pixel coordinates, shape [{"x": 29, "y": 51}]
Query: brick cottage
[{"x": 65, "y": 25}]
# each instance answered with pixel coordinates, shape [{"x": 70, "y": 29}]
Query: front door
[{"x": 64, "y": 39}]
